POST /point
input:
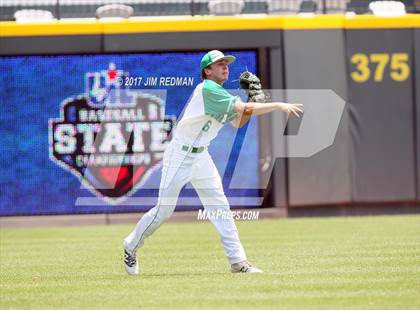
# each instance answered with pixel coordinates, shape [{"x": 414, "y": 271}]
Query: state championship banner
[{"x": 86, "y": 133}]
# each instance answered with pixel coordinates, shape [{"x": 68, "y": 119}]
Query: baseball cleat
[
  {"x": 244, "y": 267},
  {"x": 130, "y": 262}
]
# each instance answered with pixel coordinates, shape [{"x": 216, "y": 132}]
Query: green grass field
[{"x": 314, "y": 263}]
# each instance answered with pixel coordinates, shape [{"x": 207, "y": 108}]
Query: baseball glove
[{"x": 252, "y": 85}]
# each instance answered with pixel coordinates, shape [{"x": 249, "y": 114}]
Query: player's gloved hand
[{"x": 252, "y": 85}]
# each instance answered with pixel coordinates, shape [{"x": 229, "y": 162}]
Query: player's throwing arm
[{"x": 258, "y": 101}]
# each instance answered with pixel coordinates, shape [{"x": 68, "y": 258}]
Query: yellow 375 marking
[{"x": 398, "y": 65}]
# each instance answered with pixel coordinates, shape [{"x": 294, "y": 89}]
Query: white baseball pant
[{"x": 179, "y": 168}]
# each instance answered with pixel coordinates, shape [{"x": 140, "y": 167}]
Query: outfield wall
[
  {"x": 417, "y": 105},
  {"x": 372, "y": 63}
]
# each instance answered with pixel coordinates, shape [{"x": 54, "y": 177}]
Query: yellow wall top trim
[
  {"x": 75, "y": 27},
  {"x": 205, "y": 23},
  {"x": 366, "y": 21},
  {"x": 194, "y": 24},
  {"x": 312, "y": 22}
]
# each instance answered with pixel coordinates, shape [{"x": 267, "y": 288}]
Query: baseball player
[{"x": 186, "y": 159}]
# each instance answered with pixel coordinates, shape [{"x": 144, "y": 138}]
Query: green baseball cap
[{"x": 213, "y": 56}]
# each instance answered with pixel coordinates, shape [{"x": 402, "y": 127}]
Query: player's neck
[{"x": 220, "y": 82}]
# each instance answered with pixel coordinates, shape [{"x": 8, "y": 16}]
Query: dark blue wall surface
[{"x": 32, "y": 91}]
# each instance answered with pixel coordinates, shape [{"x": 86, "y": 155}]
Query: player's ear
[{"x": 207, "y": 70}]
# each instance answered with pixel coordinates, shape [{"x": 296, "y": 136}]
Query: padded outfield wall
[{"x": 372, "y": 63}]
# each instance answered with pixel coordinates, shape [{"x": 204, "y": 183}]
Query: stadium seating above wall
[
  {"x": 87, "y": 8},
  {"x": 141, "y": 8}
]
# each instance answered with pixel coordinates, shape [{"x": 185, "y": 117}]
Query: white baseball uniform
[{"x": 186, "y": 159}]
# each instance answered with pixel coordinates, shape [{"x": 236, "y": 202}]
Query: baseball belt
[{"x": 186, "y": 148}]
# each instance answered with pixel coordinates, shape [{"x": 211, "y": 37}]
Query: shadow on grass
[{"x": 179, "y": 274}]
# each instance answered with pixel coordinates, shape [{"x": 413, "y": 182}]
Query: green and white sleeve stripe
[{"x": 218, "y": 102}]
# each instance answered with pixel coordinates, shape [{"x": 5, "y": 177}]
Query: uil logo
[
  {"x": 111, "y": 138},
  {"x": 105, "y": 86}
]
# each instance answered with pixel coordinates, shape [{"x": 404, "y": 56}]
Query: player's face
[{"x": 219, "y": 71}]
